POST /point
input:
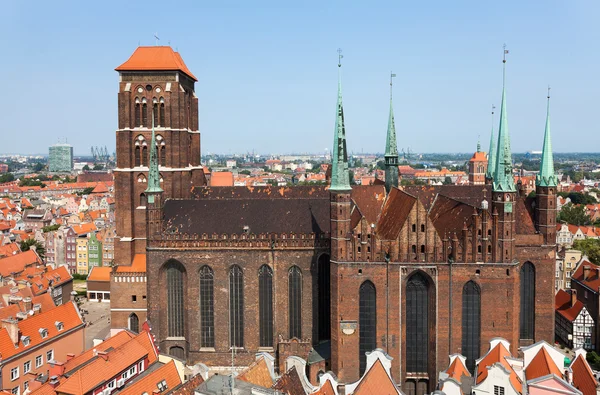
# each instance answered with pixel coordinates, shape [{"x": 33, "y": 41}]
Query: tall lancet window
[
  {"x": 471, "y": 323},
  {"x": 161, "y": 119},
  {"x": 324, "y": 297},
  {"x": 367, "y": 323},
  {"x": 207, "y": 311},
  {"x": 295, "y": 301},
  {"x": 137, "y": 118},
  {"x": 236, "y": 306},
  {"x": 265, "y": 305},
  {"x": 175, "y": 274},
  {"x": 417, "y": 323},
  {"x": 527, "y": 301},
  {"x": 144, "y": 113}
]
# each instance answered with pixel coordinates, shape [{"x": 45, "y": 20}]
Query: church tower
[
  {"x": 478, "y": 165},
  {"x": 503, "y": 189},
  {"x": 545, "y": 188},
  {"x": 339, "y": 191},
  {"x": 391, "y": 149},
  {"x": 155, "y": 86}
]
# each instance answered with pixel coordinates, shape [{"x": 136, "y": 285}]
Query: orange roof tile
[
  {"x": 85, "y": 228},
  {"x": 137, "y": 266},
  {"x": 221, "y": 179},
  {"x": 148, "y": 383},
  {"x": 96, "y": 372},
  {"x": 376, "y": 381},
  {"x": 593, "y": 280},
  {"x": 17, "y": 263},
  {"x": 479, "y": 157},
  {"x": 326, "y": 389},
  {"x": 258, "y": 374},
  {"x": 583, "y": 377},
  {"x": 113, "y": 342},
  {"x": 66, "y": 313},
  {"x": 100, "y": 273},
  {"x": 562, "y": 304},
  {"x": 155, "y": 58},
  {"x": 542, "y": 365},
  {"x": 9, "y": 249},
  {"x": 498, "y": 354},
  {"x": 100, "y": 188},
  {"x": 457, "y": 369}
]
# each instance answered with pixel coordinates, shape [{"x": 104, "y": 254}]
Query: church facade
[{"x": 419, "y": 271}]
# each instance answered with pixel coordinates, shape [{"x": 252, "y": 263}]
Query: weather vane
[
  {"x": 548, "y": 91},
  {"x": 340, "y": 56},
  {"x": 505, "y": 53},
  {"x": 392, "y": 75},
  {"x": 157, "y": 38}
]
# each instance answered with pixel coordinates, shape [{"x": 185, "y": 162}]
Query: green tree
[
  {"x": 590, "y": 247},
  {"x": 351, "y": 177},
  {"x": 98, "y": 167},
  {"x": 86, "y": 168},
  {"x": 448, "y": 181},
  {"x": 38, "y": 166},
  {"x": 39, "y": 247},
  {"x": 574, "y": 214},
  {"x": 246, "y": 172},
  {"x": 8, "y": 177}
]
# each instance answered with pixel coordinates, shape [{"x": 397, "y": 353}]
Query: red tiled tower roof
[{"x": 156, "y": 58}]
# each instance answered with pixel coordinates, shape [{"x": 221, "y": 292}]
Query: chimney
[
  {"x": 27, "y": 303},
  {"x": 12, "y": 327},
  {"x": 573, "y": 297},
  {"x": 586, "y": 272},
  {"x": 56, "y": 369},
  {"x": 54, "y": 381},
  {"x": 103, "y": 355},
  {"x": 70, "y": 356}
]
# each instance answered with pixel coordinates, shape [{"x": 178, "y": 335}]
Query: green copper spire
[
  {"x": 546, "y": 176},
  {"x": 503, "y": 177},
  {"x": 492, "y": 152},
  {"x": 391, "y": 148},
  {"x": 153, "y": 175},
  {"x": 340, "y": 176}
]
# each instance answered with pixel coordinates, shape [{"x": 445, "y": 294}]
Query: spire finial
[
  {"x": 340, "y": 57},
  {"x": 505, "y": 52},
  {"x": 503, "y": 177},
  {"x": 478, "y": 143},
  {"x": 549, "y": 92},
  {"x": 392, "y": 75}
]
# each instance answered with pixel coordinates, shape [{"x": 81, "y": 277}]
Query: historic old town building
[{"x": 418, "y": 271}]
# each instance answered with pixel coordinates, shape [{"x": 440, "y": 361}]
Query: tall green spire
[
  {"x": 340, "y": 175},
  {"x": 391, "y": 148},
  {"x": 546, "y": 176},
  {"x": 492, "y": 153},
  {"x": 153, "y": 175},
  {"x": 503, "y": 177}
]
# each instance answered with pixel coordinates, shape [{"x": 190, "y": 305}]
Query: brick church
[{"x": 325, "y": 273}]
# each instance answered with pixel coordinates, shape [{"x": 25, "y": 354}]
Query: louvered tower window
[
  {"x": 527, "y": 301},
  {"x": 417, "y": 323},
  {"x": 207, "y": 311},
  {"x": 175, "y": 300},
  {"x": 367, "y": 324},
  {"x": 295, "y": 301},
  {"x": 236, "y": 306},
  {"x": 471, "y": 323},
  {"x": 265, "y": 305},
  {"x": 324, "y": 297}
]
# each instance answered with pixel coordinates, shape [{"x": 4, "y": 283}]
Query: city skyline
[{"x": 267, "y": 81}]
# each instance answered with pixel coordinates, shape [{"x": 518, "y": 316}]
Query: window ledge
[
  {"x": 266, "y": 349},
  {"x": 207, "y": 349}
]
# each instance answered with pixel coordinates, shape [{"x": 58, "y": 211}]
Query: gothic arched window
[
  {"x": 417, "y": 323},
  {"x": 144, "y": 113},
  {"x": 155, "y": 111},
  {"x": 161, "y": 118},
  {"x": 137, "y": 118},
  {"x": 175, "y": 274},
  {"x": 144, "y": 154},
  {"x": 324, "y": 297},
  {"x": 236, "y": 306},
  {"x": 295, "y": 301},
  {"x": 134, "y": 323},
  {"x": 265, "y": 305},
  {"x": 471, "y": 323},
  {"x": 207, "y": 312},
  {"x": 527, "y": 301},
  {"x": 367, "y": 323}
]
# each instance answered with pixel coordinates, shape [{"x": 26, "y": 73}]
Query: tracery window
[
  {"x": 207, "y": 312},
  {"x": 527, "y": 321},
  {"x": 471, "y": 323},
  {"x": 236, "y": 306},
  {"x": 175, "y": 301},
  {"x": 295, "y": 301},
  {"x": 417, "y": 323},
  {"x": 367, "y": 322},
  {"x": 265, "y": 305}
]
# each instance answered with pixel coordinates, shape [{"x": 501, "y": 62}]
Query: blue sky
[{"x": 267, "y": 71}]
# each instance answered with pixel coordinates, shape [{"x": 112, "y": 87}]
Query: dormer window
[
  {"x": 162, "y": 385},
  {"x": 44, "y": 333},
  {"x": 25, "y": 340},
  {"x": 59, "y": 325}
]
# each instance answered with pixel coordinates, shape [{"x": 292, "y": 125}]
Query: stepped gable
[
  {"x": 394, "y": 214},
  {"x": 227, "y": 210}
]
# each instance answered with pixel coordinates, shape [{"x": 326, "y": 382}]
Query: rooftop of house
[
  {"x": 159, "y": 58},
  {"x": 563, "y": 303},
  {"x": 100, "y": 273},
  {"x": 16, "y": 263}
]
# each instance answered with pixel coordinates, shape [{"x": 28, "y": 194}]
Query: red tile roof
[
  {"x": 66, "y": 313},
  {"x": 100, "y": 273},
  {"x": 148, "y": 383},
  {"x": 479, "y": 157},
  {"x": 326, "y": 389},
  {"x": 221, "y": 179},
  {"x": 155, "y": 58},
  {"x": 542, "y": 365},
  {"x": 137, "y": 266},
  {"x": 457, "y": 369},
  {"x": 376, "y": 381},
  {"x": 111, "y": 343},
  {"x": 593, "y": 280},
  {"x": 562, "y": 304},
  {"x": 17, "y": 263},
  {"x": 583, "y": 377},
  {"x": 83, "y": 229},
  {"x": 498, "y": 354},
  {"x": 258, "y": 374}
]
